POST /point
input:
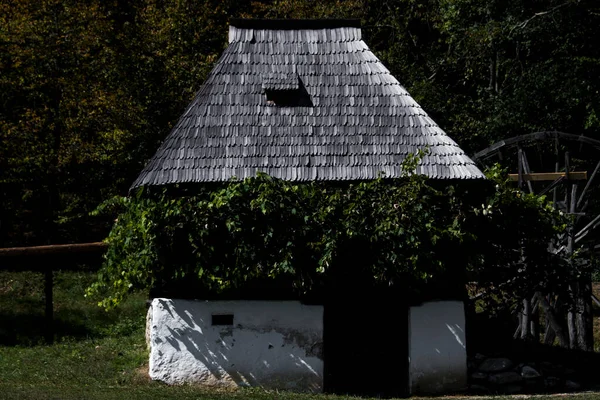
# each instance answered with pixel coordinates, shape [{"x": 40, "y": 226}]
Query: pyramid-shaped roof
[{"x": 301, "y": 100}]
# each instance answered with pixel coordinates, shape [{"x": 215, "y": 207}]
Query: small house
[{"x": 305, "y": 100}]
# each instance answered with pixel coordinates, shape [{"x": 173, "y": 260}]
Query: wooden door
[{"x": 366, "y": 345}]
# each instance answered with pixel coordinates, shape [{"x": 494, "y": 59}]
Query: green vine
[{"x": 402, "y": 232}]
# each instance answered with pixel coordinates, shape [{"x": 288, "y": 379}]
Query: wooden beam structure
[
  {"x": 550, "y": 176},
  {"x": 53, "y": 249},
  {"x": 52, "y": 257},
  {"x": 47, "y": 259}
]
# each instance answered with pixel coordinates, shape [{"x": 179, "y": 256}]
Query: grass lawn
[{"x": 97, "y": 355}]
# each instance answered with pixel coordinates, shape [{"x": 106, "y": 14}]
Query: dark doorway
[{"x": 366, "y": 344}]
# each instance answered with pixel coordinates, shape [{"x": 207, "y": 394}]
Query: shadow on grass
[
  {"x": 22, "y": 320},
  {"x": 30, "y": 329}
]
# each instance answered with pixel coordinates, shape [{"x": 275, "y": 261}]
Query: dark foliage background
[{"x": 89, "y": 89}]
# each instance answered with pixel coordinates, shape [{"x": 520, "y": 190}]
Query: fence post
[{"x": 49, "y": 314}]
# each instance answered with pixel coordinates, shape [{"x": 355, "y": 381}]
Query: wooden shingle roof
[{"x": 301, "y": 100}]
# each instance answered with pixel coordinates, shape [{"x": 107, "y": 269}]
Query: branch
[{"x": 539, "y": 14}]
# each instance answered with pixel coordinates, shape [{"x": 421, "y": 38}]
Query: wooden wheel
[{"x": 565, "y": 167}]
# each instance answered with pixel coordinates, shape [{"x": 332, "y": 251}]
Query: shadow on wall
[
  {"x": 237, "y": 343},
  {"x": 438, "y": 357}
]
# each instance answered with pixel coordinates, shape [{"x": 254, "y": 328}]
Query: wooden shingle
[{"x": 301, "y": 100}]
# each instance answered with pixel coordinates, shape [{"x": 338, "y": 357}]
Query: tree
[
  {"x": 89, "y": 90},
  {"x": 516, "y": 68},
  {"x": 58, "y": 127}
]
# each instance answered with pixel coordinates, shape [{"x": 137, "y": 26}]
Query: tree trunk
[
  {"x": 573, "y": 289},
  {"x": 549, "y": 334},
  {"x": 534, "y": 320},
  {"x": 553, "y": 321},
  {"x": 572, "y": 329},
  {"x": 525, "y": 314},
  {"x": 583, "y": 317}
]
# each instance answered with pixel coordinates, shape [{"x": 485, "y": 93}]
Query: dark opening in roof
[
  {"x": 285, "y": 90},
  {"x": 293, "y": 24},
  {"x": 288, "y": 98}
]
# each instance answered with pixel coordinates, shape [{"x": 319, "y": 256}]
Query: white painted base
[
  {"x": 437, "y": 349},
  {"x": 269, "y": 344}
]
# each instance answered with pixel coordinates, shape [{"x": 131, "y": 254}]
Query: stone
[
  {"x": 495, "y": 365},
  {"x": 504, "y": 378},
  {"x": 572, "y": 385},
  {"x": 479, "y": 376},
  {"x": 478, "y": 389},
  {"x": 148, "y": 332},
  {"x": 534, "y": 385},
  {"x": 551, "y": 382},
  {"x": 190, "y": 345},
  {"x": 549, "y": 368},
  {"x": 512, "y": 389},
  {"x": 528, "y": 372}
]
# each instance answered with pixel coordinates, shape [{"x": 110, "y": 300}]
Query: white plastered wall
[
  {"x": 275, "y": 344},
  {"x": 437, "y": 348}
]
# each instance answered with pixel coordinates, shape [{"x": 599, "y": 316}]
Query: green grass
[
  {"x": 94, "y": 350},
  {"x": 97, "y": 355},
  {"x": 75, "y": 317}
]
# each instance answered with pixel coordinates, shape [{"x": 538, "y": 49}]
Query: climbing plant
[{"x": 405, "y": 232}]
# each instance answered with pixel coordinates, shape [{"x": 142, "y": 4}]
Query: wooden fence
[{"x": 46, "y": 260}]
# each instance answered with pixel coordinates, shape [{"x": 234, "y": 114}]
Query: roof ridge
[{"x": 294, "y": 24}]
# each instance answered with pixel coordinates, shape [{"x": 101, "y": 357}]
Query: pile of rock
[{"x": 502, "y": 375}]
